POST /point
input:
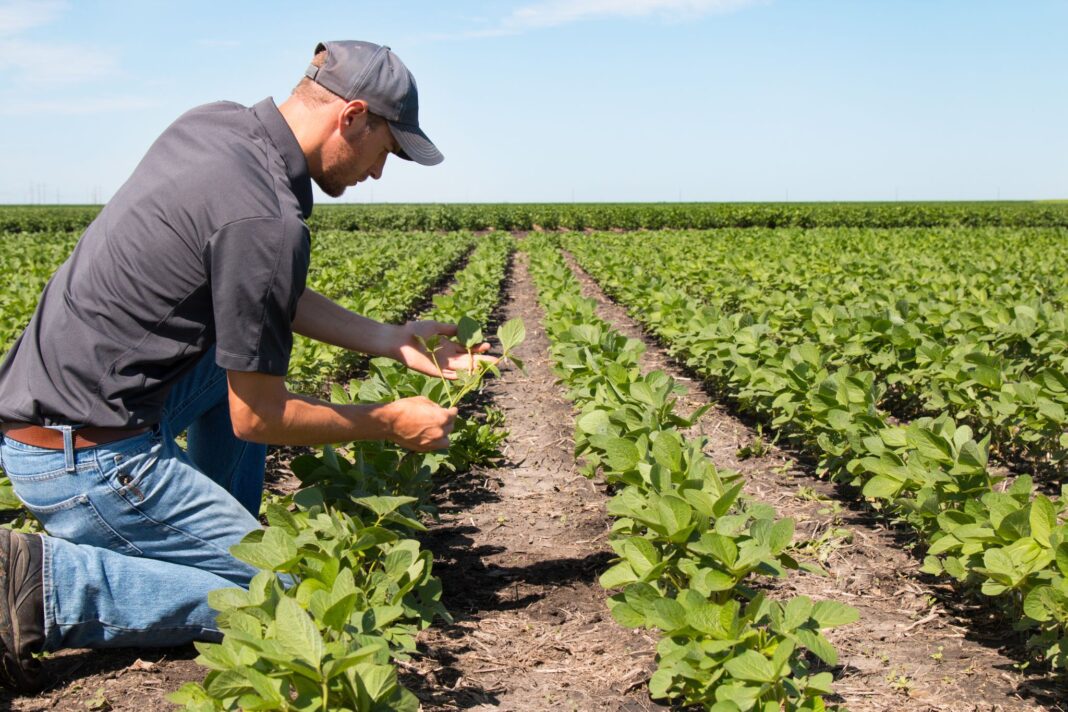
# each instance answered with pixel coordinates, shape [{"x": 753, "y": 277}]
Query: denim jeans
[{"x": 140, "y": 530}]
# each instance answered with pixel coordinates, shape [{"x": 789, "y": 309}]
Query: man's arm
[
  {"x": 262, "y": 410},
  {"x": 322, "y": 319}
]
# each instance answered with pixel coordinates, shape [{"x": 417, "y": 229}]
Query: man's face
[{"x": 356, "y": 152}]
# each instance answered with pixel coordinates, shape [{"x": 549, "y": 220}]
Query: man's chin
[{"x": 334, "y": 190}]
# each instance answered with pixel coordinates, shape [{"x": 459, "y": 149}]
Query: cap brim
[{"x": 415, "y": 146}]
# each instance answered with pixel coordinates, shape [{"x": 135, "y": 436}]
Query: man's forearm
[
  {"x": 324, "y": 320},
  {"x": 309, "y": 421},
  {"x": 263, "y": 411}
]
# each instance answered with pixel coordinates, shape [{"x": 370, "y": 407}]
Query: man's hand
[
  {"x": 450, "y": 356},
  {"x": 418, "y": 423}
]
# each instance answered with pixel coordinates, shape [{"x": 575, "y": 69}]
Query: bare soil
[{"x": 519, "y": 550}]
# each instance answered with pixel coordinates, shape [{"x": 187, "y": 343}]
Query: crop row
[
  {"x": 343, "y": 588},
  {"x": 602, "y": 216},
  {"x": 970, "y": 322},
  {"x": 689, "y": 546},
  {"x": 999, "y": 538}
]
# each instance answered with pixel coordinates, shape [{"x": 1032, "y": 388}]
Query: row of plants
[
  {"x": 602, "y": 216},
  {"x": 970, "y": 322},
  {"x": 997, "y": 537},
  {"x": 344, "y": 586},
  {"x": 691, "y": 551}
]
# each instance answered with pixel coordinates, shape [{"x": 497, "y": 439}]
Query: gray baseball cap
[{"x": 364, "y": 70}]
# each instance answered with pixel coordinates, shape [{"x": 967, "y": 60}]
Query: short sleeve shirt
[{"x": 205, "y": 244}]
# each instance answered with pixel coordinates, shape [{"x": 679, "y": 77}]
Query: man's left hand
[{"x": 450, "y": 356}]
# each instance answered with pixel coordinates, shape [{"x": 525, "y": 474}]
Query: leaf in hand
[
  {"x": 431, "y": 344},
  {"x": 469, "y": 332}
]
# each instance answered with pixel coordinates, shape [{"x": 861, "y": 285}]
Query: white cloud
[
  {"x": 553, "y": 13},
  {"x": 74, "y": 106},
  {"x": 43, "y": 63},
  {"x": 20, "y": 15}
]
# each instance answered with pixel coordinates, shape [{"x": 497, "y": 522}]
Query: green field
[{"x": 915, "y": 352}]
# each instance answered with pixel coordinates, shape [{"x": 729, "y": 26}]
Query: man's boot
[{"x": 21, "y": 610}]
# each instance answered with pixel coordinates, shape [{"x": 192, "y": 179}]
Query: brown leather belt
[{"x": 39, "y": 436}]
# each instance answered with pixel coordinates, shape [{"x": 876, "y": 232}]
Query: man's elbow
[
  {"x": 251, "y": 427},
  {"x": 256, "y": 425}
]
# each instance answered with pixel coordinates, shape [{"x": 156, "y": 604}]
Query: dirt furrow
[
  {"x": 917, "y": 646},
  {"x": 519, "y": 550}
]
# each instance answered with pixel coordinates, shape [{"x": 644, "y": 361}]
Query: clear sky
[{"x": 588, "y": 100}]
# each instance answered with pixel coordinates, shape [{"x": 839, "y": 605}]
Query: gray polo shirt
[{"x": 205, "y": 244}]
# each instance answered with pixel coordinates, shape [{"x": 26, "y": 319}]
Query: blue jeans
[{"x": 140, "y": 530}]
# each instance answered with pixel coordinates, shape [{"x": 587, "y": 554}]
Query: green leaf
[
  {"x": 595, "y": 422},
  {"x": 379, "y": 680},
  {"x": 641, "y": 554},
  {"x": 1043, "y": 519},
  {"x": 468, "y": 332},
  {"x": 831, "y": 614},
  {"x": 931, "y": 445},
  {"x": 382, "y": 505},
  {"x": 227, "y": 683},
  {"x": 797, "y": 611},
  {"x": 511, "y": 334},
  {"x": 819, "y": 645},
  {"x": 627, "y": 616},
  {"x": 667, "y": 614},
  {"x": 274, "y": 552},
  {"x": 881, "y": 487},
  {"x": 338, "y": 395},
  {"x": 667, "y": 449},
  {"x": 621, "y": 455},
  {"x": 752, "y": 666},
  {"x": 297, "y": 634},
  {"x": 619, "y": 575}
]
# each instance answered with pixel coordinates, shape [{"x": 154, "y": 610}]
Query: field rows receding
[
  {"x": 519, "y": 548},
  {"x": 916, "y": 646}
]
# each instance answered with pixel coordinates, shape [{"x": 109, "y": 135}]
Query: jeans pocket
[
  {"x": 78, "y": 520},
  {"x": 128, "y": 472}
]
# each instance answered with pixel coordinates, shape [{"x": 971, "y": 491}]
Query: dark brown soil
[
  {"x": 519, "y": 550},
  {"x": 917, "y": 645}
]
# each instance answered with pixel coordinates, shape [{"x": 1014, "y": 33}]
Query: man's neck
[{"x": 308, "y": 126}]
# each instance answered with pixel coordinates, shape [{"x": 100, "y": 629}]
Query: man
[{"x": 176, "y": 312}]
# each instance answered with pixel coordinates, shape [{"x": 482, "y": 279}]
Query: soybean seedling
[{"x": 469, "y": 335}]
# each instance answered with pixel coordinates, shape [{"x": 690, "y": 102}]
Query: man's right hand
[{"x": 419, "y": 424}]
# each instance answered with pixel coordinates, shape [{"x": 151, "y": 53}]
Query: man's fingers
[
  {"x": 482, "y": 348},
  {"x": 444, "y": 329}
]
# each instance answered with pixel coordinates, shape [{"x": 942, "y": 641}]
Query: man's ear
[{"x": 353, "y": 115}]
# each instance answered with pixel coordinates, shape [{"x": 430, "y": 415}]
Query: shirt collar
[{"x": 282, "y": 137}]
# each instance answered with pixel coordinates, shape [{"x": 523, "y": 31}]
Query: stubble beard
[{"x": 336, "y": 163}]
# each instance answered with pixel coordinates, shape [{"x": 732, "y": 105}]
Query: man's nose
[{"x": 376, "y": 169}]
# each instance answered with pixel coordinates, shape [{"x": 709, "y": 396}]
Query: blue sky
[{"x": 589, "y": 100}]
